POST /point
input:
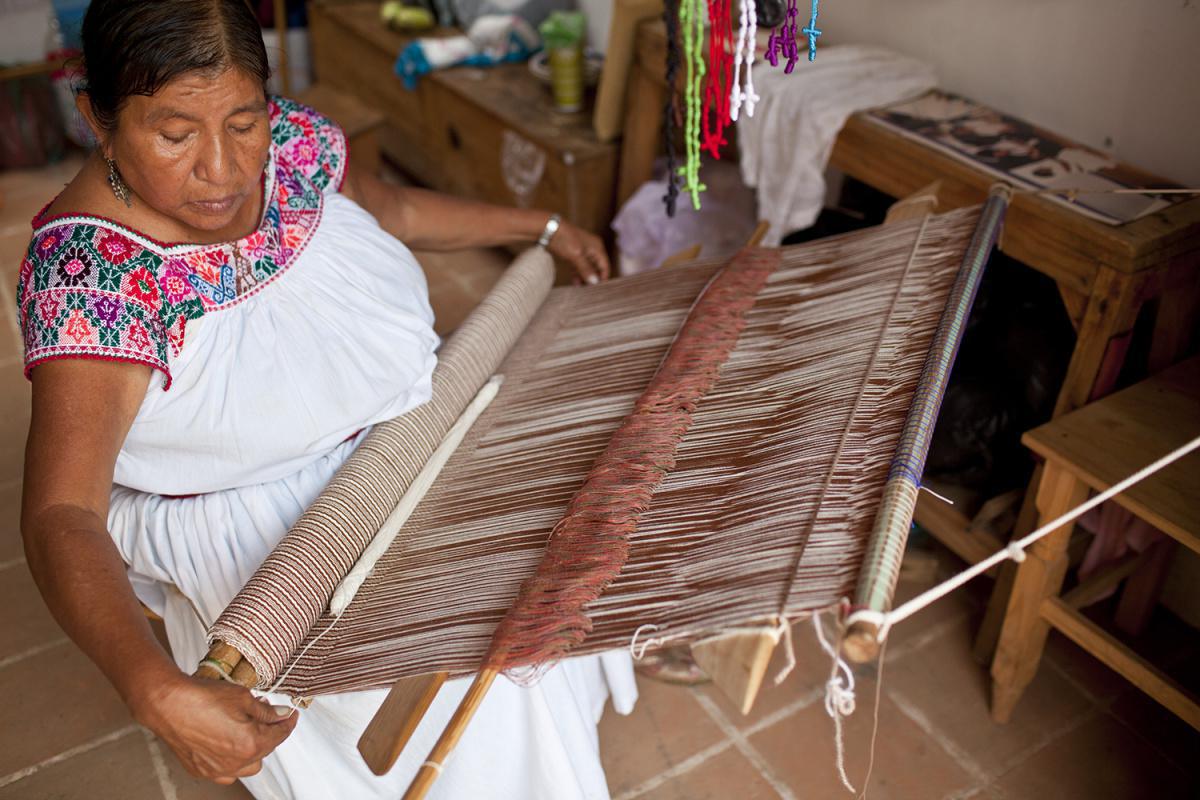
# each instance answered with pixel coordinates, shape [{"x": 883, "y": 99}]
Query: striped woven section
[
  {"x": 769, "y": 506},
  {"x": 277, "y": 608}
]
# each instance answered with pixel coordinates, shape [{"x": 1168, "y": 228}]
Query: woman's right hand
[{"x": 218, "y": 730}]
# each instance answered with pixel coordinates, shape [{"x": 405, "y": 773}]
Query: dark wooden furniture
[{"x": 491, "y": 134}]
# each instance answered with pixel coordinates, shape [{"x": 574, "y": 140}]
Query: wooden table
[
  {"x": 490, "y": 134},
  {"x": 1105, "y": 275},
  {"x": 1092, "y": 449}
]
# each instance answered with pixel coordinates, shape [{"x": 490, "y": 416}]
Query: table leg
[
  {"x": 1111, "y": 312},
  {"x": 644, "y": 101},
  {"x": 1039, "y": 576}
]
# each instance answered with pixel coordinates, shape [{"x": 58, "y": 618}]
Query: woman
[{"x": 214, "y": 310}]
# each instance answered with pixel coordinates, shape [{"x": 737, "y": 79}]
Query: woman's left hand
[{"x": 584, "y": 251}]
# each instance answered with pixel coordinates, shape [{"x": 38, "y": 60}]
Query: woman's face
[{"x": 196, "y": 148}]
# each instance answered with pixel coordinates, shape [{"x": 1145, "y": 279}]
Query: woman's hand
[
  {"x": 584, "y": 251},
  {"x": 218, "y": 730}
]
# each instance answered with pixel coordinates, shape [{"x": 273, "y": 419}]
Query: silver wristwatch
[{"x": 550, "y": 229}]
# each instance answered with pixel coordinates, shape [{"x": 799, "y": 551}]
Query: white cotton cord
[
  {"x": 1014, "y": 550},
  {"x": 638, "y": 649},
  {"x": 874, "y": 721},
  {"x": 279, "y": 681},
  {"x": 435, "y": 766},
  {"x": 349, "y": 585},
  {"x": 785, "y": 628},
  {"x": 839, "y": 698},
  {"x": 941, "y": 497}
]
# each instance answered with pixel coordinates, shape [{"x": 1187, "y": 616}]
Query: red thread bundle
[{"x": 589, "y": 546}]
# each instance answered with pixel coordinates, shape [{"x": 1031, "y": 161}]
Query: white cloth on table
[
  {"x": 785, "y": 147},
  {"x": 269, "y": 397}
]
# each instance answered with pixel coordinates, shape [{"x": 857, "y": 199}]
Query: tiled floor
[{"x": 1080, "y": 732}]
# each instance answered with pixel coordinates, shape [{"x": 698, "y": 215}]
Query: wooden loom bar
[{"x": 881, "y": 568}]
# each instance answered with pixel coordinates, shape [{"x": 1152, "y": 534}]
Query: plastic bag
[{"x": 646, "y": 235}]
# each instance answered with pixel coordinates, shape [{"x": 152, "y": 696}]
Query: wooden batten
[
  {"x": 737, "y": 662},
  {"x": 394, "y": 722}
]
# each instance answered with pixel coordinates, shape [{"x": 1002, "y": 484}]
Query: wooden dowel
[
  {"x": 226, "y": 662},
  {"x": 449, "y": 738},
  {"x": 861, "y": 643},
  {"x": 760, "y": 230}
]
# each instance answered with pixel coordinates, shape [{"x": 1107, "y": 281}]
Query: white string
[
  {"x": 1014, "y": 550},
  {"x": 435, "y": 766},
  {"x": 943, "y": 498},
  {"x": 638, "y": 649},
  {"x": 287, "y": 672},
  {"x": 785, "y": 628},
  {"x": 839, "y": 697}
]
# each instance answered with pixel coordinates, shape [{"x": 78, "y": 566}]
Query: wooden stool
[{"x": 1091, "y": 449}]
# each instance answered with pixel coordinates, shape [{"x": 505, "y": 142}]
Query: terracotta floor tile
[
  {"x": 190, "y": 788},
  {"x": 908, "y": 763},
  {"x": 10, "y": 523},
  {"x": 809, "y": 675},
  {"x": 667, "y": 727},
  {"x": 1083, "y": 668},
  {"x": 14, "y": 421},
  {"x": 27, "y": 191},
  {"x": 13, "y": 245},
  {"x": 1100, "y": 760},
  {"x": 53, "y": 701},
  {"x": 1166, "y": 732},
  {"x": 458, "y": 281},
  {"x": 729, "y": 775},
  {"x": 953, "y": 693},
  {"x": 24, "y": 618},
  {"x": 118, "y": 769}
]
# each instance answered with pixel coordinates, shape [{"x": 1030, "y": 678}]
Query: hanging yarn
[
  {"x": 671, "y": 108},
  {"x": 692, "y": 25},
  {"x": 747, "y": 37},
  {"x": 782, "y": 42},
  {"x": 720, "y": 76}
]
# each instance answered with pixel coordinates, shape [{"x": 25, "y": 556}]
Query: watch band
[{"x": 550, "y": 229}]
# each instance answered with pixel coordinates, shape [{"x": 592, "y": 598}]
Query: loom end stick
[
  {"x": 393, "y": 724},
  {"x": 737, "y": 663},
  {"x": 861, "y": 643},
  {"x": 225, "y": 662},
  {"x": 433, "y": 765}
]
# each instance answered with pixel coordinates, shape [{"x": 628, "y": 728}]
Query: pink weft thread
[{"x": 589, "y": 545}]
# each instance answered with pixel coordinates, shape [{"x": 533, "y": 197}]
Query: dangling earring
[{"x": 118, "y": 185}]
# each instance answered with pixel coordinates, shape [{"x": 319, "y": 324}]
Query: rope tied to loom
[{"x": 839, "y": 697}]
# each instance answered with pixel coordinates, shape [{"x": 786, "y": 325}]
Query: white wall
[{"x": 1120, "y": 75}]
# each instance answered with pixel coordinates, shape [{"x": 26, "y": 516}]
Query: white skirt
[{"x": 189, "y": 556}]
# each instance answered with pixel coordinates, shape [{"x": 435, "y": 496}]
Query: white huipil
[{"x": 269, "y": 395}]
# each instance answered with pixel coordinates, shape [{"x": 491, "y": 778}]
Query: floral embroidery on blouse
[{"x": 91, "y": 288}]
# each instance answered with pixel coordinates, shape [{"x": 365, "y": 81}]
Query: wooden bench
[{"x": 1092, "y": 449}]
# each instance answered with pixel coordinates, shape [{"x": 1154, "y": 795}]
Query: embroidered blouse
[
  {"x": 275, "y": 348},
  {"x": 91, "y": 288}
]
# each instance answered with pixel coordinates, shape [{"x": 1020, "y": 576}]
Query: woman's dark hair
[{"x": 133, "y": 47}]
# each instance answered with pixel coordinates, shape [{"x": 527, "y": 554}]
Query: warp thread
[{"x": 590, "y": 544}]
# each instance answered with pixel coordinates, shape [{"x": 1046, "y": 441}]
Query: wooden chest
[{"x": 489, "y": 134}]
